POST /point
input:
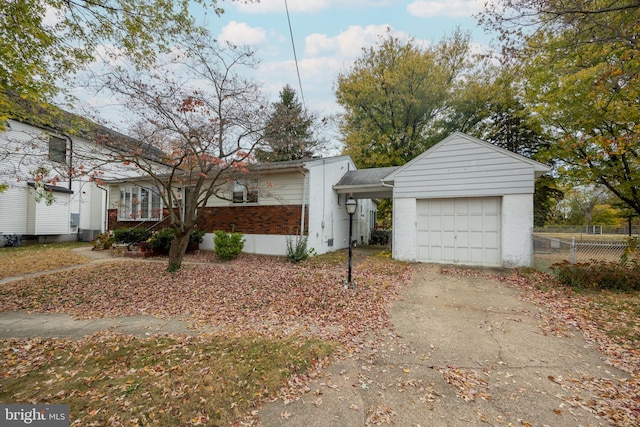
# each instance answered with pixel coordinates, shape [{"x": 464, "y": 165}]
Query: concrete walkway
[
  {"x": 467, "y": 351},
  {"x": 20, "y": 324}
]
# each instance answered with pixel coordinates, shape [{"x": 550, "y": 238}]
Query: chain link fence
[{"x": 549, "y": 250}]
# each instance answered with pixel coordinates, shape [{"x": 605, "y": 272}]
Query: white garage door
[{"x": 459, "y": 231}]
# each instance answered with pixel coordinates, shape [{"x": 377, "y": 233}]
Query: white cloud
[
  {"x": 317, "y": 75},
  {"x": 269, "y": 6},
  {"x": 454, "y": 8},
  {"x": 323, "y": 59},
  {"x": 241, "y": 34},
  {"x": 349, "y": 43}
]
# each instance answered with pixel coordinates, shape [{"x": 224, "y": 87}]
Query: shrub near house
[
  {"x": 161, "y": 240},
  {"x": 227, "y": 246}
]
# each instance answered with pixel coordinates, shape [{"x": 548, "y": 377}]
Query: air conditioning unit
[{"x": 88, "y": 235}]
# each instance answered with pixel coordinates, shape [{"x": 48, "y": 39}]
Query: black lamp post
[{"x": 351, "y": 206}]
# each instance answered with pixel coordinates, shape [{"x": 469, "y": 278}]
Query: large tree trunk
[{"x": 177, "y": 250}]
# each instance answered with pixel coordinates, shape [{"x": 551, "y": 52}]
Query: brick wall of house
[
  {"x": 283, "y": 220},
  {"x": 278, "y": 220}
]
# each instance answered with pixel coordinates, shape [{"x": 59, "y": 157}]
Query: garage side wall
[
  {"x": 404, "y": 229},
  {"x": 517, "y": 230}
]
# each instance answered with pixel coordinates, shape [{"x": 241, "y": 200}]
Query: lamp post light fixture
[{"x": 351, "y": 206}]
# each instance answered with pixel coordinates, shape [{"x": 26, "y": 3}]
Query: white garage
[{"x": 464, "y": 201}]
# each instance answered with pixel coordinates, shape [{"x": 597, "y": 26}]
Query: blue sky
[{"x": 330, "y": 34}]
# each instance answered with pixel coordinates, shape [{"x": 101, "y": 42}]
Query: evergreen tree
[{"x": 289, "y": 133}]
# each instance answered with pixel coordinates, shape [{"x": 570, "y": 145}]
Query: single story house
[{"x": 269, "y": 204}]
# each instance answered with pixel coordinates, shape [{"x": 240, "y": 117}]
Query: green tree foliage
[
  {"x": 290, "y": 131},
  {"x": 583, "y": 80},
  {"x": 545, "y": 200},
  {"x": 43, "y": 42},
  {"x": 589, "y": 98},
  {"x": 599, "y": 22},
  {"x": 393, "y": 94},
  {"x": 586, "y": 206},
  {"x": 489, "y": 104}
]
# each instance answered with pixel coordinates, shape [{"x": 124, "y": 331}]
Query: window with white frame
[
  {"x": 245, "y": 191},
  {"x": 139, "y": 204}
]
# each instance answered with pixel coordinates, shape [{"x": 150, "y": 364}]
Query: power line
[{"x": 295, "y": 56}]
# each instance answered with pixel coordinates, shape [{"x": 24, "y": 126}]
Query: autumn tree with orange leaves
[{"x": 206, "y": 119}]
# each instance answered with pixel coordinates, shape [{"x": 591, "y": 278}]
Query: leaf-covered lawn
[
  {"x": 610, "y": 319},
  {"x": 31, "y": 259},
  {"x": 118, "y": 380},
  {"x": 276, "y": 322},
  {"x": 264, "y": 295}
]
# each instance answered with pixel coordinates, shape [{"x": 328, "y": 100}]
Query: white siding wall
[
  {"x": 27, "y": 217},
  {"x": 98, "y": 209},
  {"x": 32, "y": 212},
  {"x": 362, "y": 221},
  {"x": 328, "y": 221},
  {"x": 89, "y": 201},
  {"x": 461, "y": 168},
  {"x": 13, "y": 210},
  {"x": 517, "y": 230},
  {"x": 49, "y": 219},
  {"x": 22, "y": 149},
  {"x": 404, "y": 229},
  {"x": 276, "y": 189}
]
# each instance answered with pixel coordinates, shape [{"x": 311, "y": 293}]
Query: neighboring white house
[
  {"x": 270, "y": 204},
  {"x": 463, "y": 201},
  {"x": 79, "y": 207}
]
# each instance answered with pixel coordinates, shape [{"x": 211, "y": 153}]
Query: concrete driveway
[{"x": 468, "y": 352}]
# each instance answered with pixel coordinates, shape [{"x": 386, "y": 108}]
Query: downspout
[
  {"x": 70, "y": 166},
  {"x": 324, "y": 199},
  {"x": 105, "y": 222},
  {"x": 393, "y": 216},
  {"x": 304, "y": 195}
]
